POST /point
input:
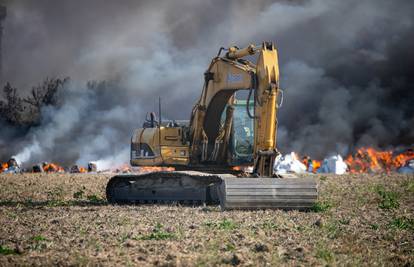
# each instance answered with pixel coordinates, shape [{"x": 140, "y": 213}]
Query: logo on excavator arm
[{"x": 234, "y": 78}]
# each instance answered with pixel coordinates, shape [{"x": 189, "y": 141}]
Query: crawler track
[
  {"x": 164, "y": 187},
  {"x": 191, "y": 187}
]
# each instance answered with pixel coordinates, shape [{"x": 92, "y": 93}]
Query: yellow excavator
[{"x": 223, "y": 134}]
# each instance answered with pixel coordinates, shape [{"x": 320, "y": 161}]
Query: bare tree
[
  {"x": 27, "y": 111},
  {"x": 46, "y": 93},
  {"x": 12, "y": 106}
]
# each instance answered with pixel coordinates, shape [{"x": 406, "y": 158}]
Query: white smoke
[
  {"x": 113, "y": 161},
  {"x": 27, "y": 152},
  {"x": 96, "y": 124}
]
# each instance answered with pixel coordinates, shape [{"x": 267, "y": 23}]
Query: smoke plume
[{"x": 346, "y": 70}]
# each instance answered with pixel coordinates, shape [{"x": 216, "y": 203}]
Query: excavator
[{"x": 222, "y": 134}]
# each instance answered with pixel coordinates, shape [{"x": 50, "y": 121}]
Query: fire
[
  {"x": 371, "y": 160},
  {"x": 401, "y": 159},
  {"x": 124, "y": 168},
  {"x": 3, "y": 167},
  {"x": 364, "y": 160},
  {"x": 316, "y": 165},
  {"x": 52, "y": 167},
  {"x": 311, "y": 164},
  {"x": 77, "y": 169},
  {"x": 155, "y": 169}
]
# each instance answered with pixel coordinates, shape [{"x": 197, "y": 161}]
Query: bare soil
[{"x": 64, "y": 219}]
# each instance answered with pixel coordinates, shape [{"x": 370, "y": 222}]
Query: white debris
[
  {"x": 13, "y": 169},
  {"x": 334, "y": 164},
  {"x": 288, "y": 164},
  {"x": 408, "y": 168}
]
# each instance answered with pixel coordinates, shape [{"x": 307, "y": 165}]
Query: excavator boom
[{"x": 206, "y": 147}]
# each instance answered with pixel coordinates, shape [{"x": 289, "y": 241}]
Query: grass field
[{"x": 63, "y": 219}]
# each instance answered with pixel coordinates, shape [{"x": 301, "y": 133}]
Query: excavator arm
[
  {"x": 265, "y": 119},
  {"x": 223, "y": 78}
]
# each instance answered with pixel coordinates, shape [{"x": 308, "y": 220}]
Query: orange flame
[
  {"x": 124, "y": 168},
  {"x": 371, "y": 160},
  {"x": 316, "y": 164},
  {"x": 402, "y": 159},
  {"x": 3, "y": 167},
  {"x": 146, "y": 169},
  {"x": 52, "y": 167}
]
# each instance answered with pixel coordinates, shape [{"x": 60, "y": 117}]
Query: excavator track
[
  {"x": 191, "y": 187},
  {"x": 163, "y": 187}
]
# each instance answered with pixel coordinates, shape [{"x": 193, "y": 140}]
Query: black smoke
[{"x": 346, "y": 69}]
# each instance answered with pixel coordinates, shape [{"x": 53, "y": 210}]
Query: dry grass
[{"x": 63, "y": 219}]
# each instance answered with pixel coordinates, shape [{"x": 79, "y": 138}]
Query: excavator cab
[{"x": 242, "y": 135}]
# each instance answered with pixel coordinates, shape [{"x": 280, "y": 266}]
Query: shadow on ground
[{"x": 53, "y": 203}]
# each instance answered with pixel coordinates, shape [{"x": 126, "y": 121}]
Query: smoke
[{"x": 346, "y": 70}]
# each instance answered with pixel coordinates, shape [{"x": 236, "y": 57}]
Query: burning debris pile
[
  {"x": 52, "y": 167},
  {"x": 11, "y": 166},
  {"x": 370, "y": 160},
  {"x": 365, "y": 160}
]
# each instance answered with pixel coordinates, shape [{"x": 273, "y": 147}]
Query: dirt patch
[{"x": 64, "y": 219}]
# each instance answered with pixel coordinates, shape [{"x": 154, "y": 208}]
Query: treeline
[{"x": 26, "y": 111}]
